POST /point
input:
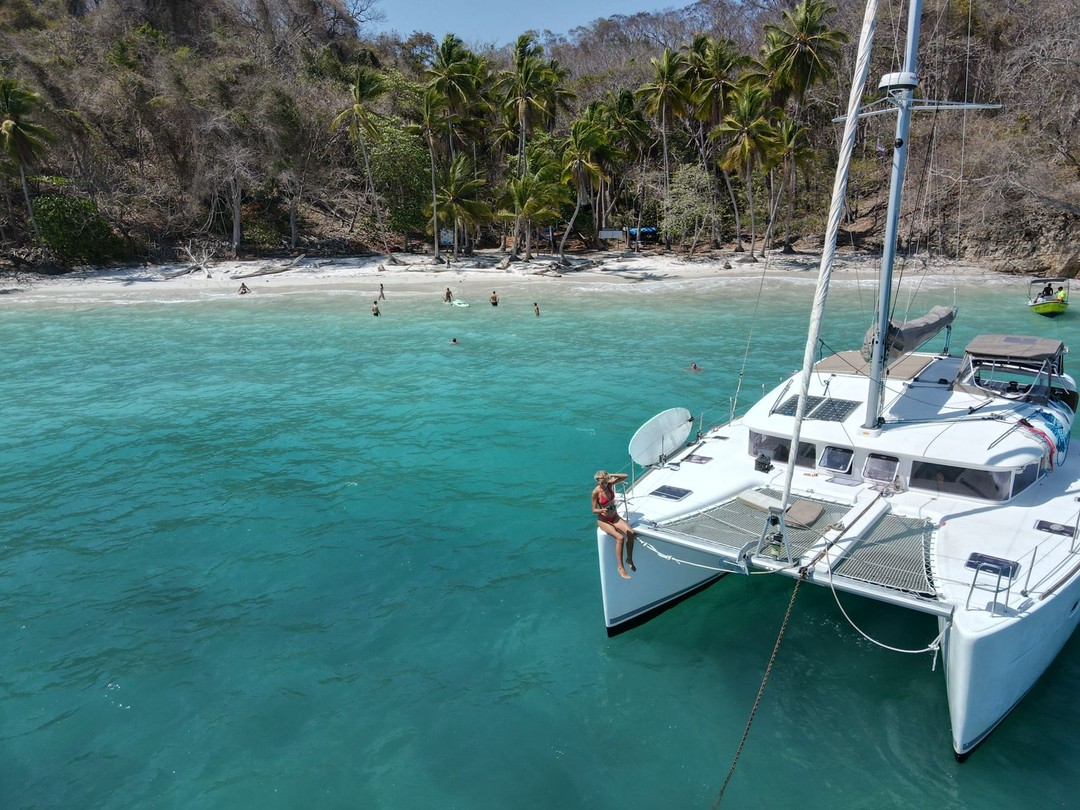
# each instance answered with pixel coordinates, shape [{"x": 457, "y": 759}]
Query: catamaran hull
[
  {"x": 657, "y": 585},
  {"x": 987, "y": 673}
]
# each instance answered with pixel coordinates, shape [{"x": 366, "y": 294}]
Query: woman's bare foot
[{"x": 623, "y": 574}]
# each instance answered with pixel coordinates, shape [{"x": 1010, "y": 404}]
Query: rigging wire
[{"x": 750, "y": 332}]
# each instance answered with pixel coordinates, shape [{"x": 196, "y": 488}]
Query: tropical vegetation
[{"x": 132, "y": 128}]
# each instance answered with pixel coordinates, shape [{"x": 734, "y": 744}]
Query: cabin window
[
  {"x": 881, "y": 468},
  {"x": 778, "y": 449},
  {"x": 836, "y": 459},
  {"x": 988, "y": 485},
  {"x": 807, "y": 456},
  {"x": 1026, "y": 477}
]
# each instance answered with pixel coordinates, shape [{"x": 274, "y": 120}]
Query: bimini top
[{"x": 1015, "y": 348}]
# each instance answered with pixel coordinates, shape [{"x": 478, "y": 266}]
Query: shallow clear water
[{"x": 273, "y": 552}]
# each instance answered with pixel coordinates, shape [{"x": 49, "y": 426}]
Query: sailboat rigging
[{"x": 935, "y": 483}]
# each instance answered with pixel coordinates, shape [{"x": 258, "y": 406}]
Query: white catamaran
[{"x": 932, "y": 482}]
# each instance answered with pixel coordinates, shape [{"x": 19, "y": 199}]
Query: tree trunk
[
  {"x": 236, "y": 194},
  {"x": 292, "y": 222},
  {"x": 374, "y": 196},
  {"x": 569, "y": 227},
  {"x": 790, "y": 206},
  {"x": 434, "y": 203},
  {"x": 735, "y": 209},
  {"x": 29, "y": 208},
  {"x": 750, "y": 201}
]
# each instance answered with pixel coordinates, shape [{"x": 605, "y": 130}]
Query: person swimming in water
[{"x": 609, "y": 520}]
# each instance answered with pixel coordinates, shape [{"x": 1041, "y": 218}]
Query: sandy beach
[{"x": 470, "y": 278}]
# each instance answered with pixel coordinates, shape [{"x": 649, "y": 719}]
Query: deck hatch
[
  {"x": 1055, "y": 528},
  {"x": 670, "y": 493},
  {"x": 993, "y": 565}
]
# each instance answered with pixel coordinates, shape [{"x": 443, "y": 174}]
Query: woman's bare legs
[
  {"x": 614, "y": 532},
  {"x": 624, "y": 527}
]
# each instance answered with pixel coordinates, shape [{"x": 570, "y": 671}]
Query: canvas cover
[{"x": 908, "y": 336}]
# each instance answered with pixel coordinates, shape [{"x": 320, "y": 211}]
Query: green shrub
[{"x": 74, "y": 230}]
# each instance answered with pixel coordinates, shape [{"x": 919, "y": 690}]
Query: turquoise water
[{"x": 274, "y": 552}]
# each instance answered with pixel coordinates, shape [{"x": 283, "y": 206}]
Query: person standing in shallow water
[
  {"x": 608, "y": 519},
  {"x": 382, "y": 293},
  {"x": 375, "y": 308},
  {"x": 536, "y": 309},
  {"x": 494, "y": 299},
  {"x": 447, "y": 296}
]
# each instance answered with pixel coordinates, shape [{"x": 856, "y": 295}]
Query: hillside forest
[{"x": 164, "y": 130}]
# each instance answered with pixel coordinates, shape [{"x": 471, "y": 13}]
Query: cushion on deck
[{"x": 804, "y": 513}]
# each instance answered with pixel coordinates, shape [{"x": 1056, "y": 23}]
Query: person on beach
[
  {"x": 494, "y": 299},
  {"x": 608, "y": 518},
  {"x": 447, "y": 296},
  {"x": 375, "y": 309},
  {"x": 382, "y": 293},
  {"x": 244, "y": 288},
  {"x": 536, "y": 309}
]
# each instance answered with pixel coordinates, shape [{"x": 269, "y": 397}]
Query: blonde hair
[{"x": 601, "y": 475}]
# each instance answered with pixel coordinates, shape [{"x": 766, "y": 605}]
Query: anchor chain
[{"x": 761, "y": 691}]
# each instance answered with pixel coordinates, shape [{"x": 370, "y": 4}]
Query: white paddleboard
[
  {"x": 661, "y": 436},
  {"x": 458, "y": 303}
]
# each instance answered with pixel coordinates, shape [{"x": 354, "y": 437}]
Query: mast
[
  {"x": 901, "y": 90},
  {"x": 836, "y": 211}
]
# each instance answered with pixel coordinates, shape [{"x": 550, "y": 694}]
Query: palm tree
[
  {"x": 798, "y": 54},
  {"x": 431, "y": 106},
  {"x": 21, "y": 139},
  {"x": 716, "y": 65},
  {"x": 534, "y": 197},
  {"x": 747, "y": 129},
  {"x": 793, "y": 150},
  {"x": 581, "y": 165},
  {"x": 629, "y": 132},
  {"x": 665, "y": 96},
  {"x": 459, "y": 196},
  {"x": 453, "y": 76},
  {"x": 533, "y": 90},
  {"x": 368, "y": 86},
  {"x": 803, "y": 51}
]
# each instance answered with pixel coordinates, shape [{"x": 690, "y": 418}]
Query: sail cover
[{"x": 909, "y": 335}]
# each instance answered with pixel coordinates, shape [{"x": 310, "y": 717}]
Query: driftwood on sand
[
  {"x": 200, "y": 258},
  {"x": 268, "y": 271}
]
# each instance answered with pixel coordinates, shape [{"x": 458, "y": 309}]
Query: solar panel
[
  {"x": 789, "y": 406},
  {"x": 834, "y": 410},
  {"x": 826, "y": 410}
]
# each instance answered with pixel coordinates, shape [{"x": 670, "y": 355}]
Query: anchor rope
[
  {"x": 675, "y": 560},
  {"x": 761, "y": 691}
]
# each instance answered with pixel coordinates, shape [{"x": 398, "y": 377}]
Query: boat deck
[{"x": 893, "y": 554}]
